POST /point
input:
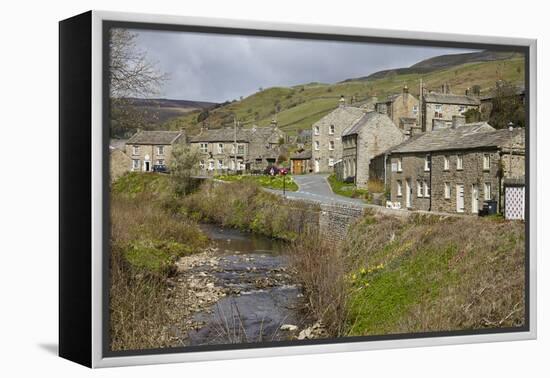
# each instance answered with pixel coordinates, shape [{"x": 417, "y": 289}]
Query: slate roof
[
  {"x": 154, "y": 137},
  {"x": 470, "y": 136},
  {"x": 449, "y": 98},
  {"x": 227, "y": 134}
]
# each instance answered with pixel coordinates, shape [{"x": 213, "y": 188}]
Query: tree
[
  {"x": 472, "y": 115},
  {"x": 182, "y": 166},
  {"x": 131, "y": 74},
  {"x": 507, "y": 107}
]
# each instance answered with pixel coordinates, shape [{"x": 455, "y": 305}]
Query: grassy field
[
  {"x": 271, "y": 182},
  {"x": 300, "y": 106},
  {"x": 417, "y": 274}
]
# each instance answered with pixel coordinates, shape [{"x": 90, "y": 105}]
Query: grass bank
[
  {"x": 244, "y": 205},
  {"x": 147, "y": 237},
  {"x": 347, "y": 190},
  {"x": 422, "y": 273},
  {"x": 270, "y": 182}
]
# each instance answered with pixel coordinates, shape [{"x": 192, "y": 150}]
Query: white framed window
[
  {"x": 419, "y": 188},
  {"x": 446, "y": 163},
  {"x": 459, "y": 162},
  {"x": 316, "y": 130},
  {"x": 220, "y": 148},
  {"x": 135, "y": 150},
  {"x": 201, "y": 164},
  {"x": 486, "y": 162},
  {"x": 487, "y": 191},
  {"x": 426, "y": 189},
  {"x": 399, "y": 188},
  {"x": 447, "y": 190},
  {"x": 461, "y": 109},
  {"x": 437, "y": 107},
  {"x": 317, "y": 145},
  {"x": 220, "y": 163},
  {"x": 415, "y": 109},
  {"x": 211, "y": 165},
  {"x": 160, "y": 150},
  {"x": 427, "y": 163},
  {"x": 330, "y": 162},
  {"x": 400, "y": 164},
  {"x": 240, "y": 149},
  {"x": 331, "y": 145},
  {"x": 331, "y": 129},
  {"x": 136, "y": 164},
  {"x": 204, "y": 147},
  {"x": 160, "y": 162}
]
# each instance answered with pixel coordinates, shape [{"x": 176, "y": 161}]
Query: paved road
[{"x": 316, "y": 188}]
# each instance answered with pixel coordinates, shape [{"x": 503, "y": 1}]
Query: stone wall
[
  {"x": 403, "y": 106},
  {"x": 335, "y": 220}
]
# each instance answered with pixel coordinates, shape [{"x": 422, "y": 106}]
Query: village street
[{"x": 316, "y": 188}]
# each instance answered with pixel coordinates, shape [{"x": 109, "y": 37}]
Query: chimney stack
[
  {"x": 342, "y": 100},
  {"x": 458, "y": 120},
  {"x": 405, "y": 89}
]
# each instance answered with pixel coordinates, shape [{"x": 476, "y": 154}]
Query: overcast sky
[{"x": 209, "y": 67}]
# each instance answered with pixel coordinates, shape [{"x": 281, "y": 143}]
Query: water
[{"x": 261, "y": 293}]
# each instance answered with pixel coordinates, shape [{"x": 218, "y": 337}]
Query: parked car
[{"x": 160, "y": 168}]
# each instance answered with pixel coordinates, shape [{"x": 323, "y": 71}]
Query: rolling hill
[{"x": 297, "y": 108}]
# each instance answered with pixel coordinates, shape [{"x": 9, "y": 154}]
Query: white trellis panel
[{"x": 514, "y": 202}]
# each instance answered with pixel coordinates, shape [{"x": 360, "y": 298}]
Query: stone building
[
  {"x": 239, "y": 149},
  {"x": 327, "y": 136},
  {"x": 150, "y": 150},
  {"x": 439, "y": 108},
  {"x": 401, "y": 108},
  {"x": 300, "y": 162},
  {"x": 454, "y": 169},
  {"x": 372, "y": 134}
]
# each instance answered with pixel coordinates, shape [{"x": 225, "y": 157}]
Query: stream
[{"x": 256, "y": 299}]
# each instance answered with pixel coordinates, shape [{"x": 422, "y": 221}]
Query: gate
[{"x": 514, "y": 199}]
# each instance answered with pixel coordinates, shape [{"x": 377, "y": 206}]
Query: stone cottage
[
  {"x": 454, "y": 169},
  {"x": 439, "y": 108},
  {"x": 150, "y": 150},
  {"x": 326, "y": 141},
  {"x": 372, "y": 134},
  {"x": 300, "y": 162},
  {"x": 240, "y": 149},
  {"x": 403, "y": 109}
]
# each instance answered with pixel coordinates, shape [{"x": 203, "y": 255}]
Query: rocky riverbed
[{"x": 239, "y": 290}]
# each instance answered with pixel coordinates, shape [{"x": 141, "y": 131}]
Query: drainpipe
[{"x": 431, "y": 192}]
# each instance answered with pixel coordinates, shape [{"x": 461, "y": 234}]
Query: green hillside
[{"x": 300, "y": 106}]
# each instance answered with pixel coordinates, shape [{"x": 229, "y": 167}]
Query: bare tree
[{"x": 132, "y": 74}]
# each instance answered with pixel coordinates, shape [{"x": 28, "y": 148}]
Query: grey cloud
[{"x": 216, "y": 68}]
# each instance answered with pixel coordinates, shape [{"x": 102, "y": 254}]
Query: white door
[
  {"x": 316, "y": 165},
  {"x": 460, "y": 198},
  {"x": 408, "y": 193},
  {"x": 475, "y": 198}
]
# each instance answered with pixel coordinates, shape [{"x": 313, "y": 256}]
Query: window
[
  {"x": 426, "y": 189},
  {"x": 331, "y": 129},
  {"x": 220, "y": 148},
  {"x": 427, "y": 163},
  {"x": 330, "y": 162},
  {"x": 399, "y": 188},
  {"x": 461, "y": 109},
  {"x": 201, "y": 164},
  {"x": 331, "y": 145},
  {"x": 160, "y": 162},
  {"x": 316, "y": 145},
  {"x": 419, "y": 188},
  {"x": 459, "y": 162},
  {"x": 447, "y": 190},
  {"x": 415, "y": 109},
  {"x": 487, "y": 191},
  {"x": 399, "y": 164},
  {"x": 220, "y": 163},
  {"x": 486, "y": 162},
  {"x": 240, "y": 149},
  {"x": 211, "y": 165},
  {"x": 160, "y": 150},
  {"x": 438, "y": 111},
  {"x": 135, "y": 164},
  {"x": 135, "y": 150},
  {"x": 204, "y": 147},
  {"x": 316, "y": 130},
  {"x": 445, "y": 163}
]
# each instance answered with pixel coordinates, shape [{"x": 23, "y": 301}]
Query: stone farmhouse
[
  {"x": 237, "y": 149},
  {"x": 403, "y": 109},
  {"x": 453, "y": 169},
  {"x": 151, "y": 149},
  {"x": 372, "y": 134},
  {"x": 326, "y": 140},
  {"x": 438, "y": 109}
]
